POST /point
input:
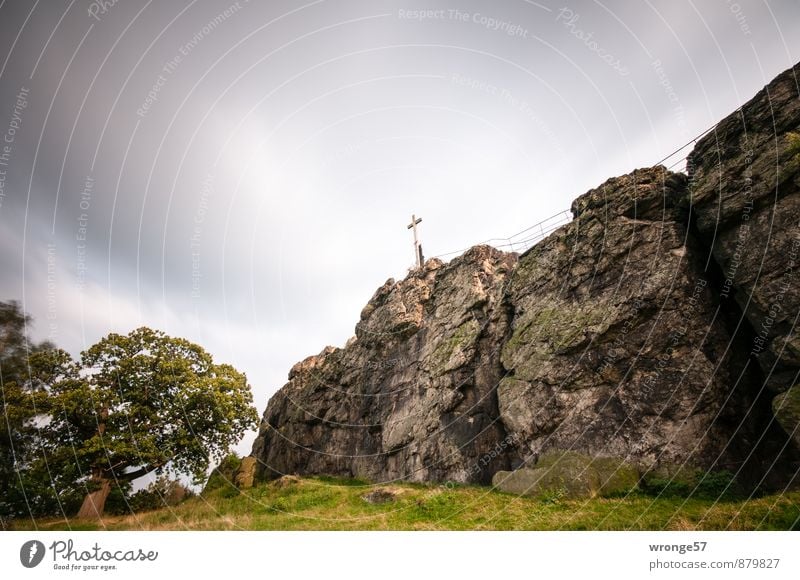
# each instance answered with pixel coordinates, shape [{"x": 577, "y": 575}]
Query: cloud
[{"x": 264, "y": 194}]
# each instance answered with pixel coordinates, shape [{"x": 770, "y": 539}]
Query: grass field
[{"x": 321, "y": 503}]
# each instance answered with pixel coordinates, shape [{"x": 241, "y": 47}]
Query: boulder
[
  {"x": 381, "y": 495},
  {"x": 570, "y": 475},
  {"x": 245, "y": 474}
]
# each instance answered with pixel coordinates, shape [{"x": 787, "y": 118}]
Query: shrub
[
  {"x": 222, "y": 475},
  {"x": 161, "y": 493},
  {"x": 694, "y": 483}
]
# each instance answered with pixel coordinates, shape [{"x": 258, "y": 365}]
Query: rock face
[
  {"x": 745, "y": 185},
  {"x": 633, "y": 333},
  {"x": 413, "y": 396},
  {"x": 786, "y": 407},
  {"x": 614, "y": 349}
]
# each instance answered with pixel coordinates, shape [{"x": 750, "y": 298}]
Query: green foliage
[
  {"x": 338, "y": 504},
  {"x": 26, "y": 369},
  {"x": 131, "y": 405},
  {"x": 717, "y": 485},
  {"x": 118, "y": 501},
  {"x": 222, "y": 475},
  {"x": 713, "y": 485},
  {"x": 147, "y": 402},
  {"x": 553, "y": 496},
  {"x": 163, "y": 492}
]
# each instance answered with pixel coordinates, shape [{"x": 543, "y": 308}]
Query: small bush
[
  {"x": 161, "y": 493},
  {"x": 118, "y": 499},
  {"x": 553, "y": 496},
  {"x": 222, "y": 475},
  {"x": 714, "y": 485}
]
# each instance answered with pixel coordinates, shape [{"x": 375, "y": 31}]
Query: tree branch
[{"x": 139, "y": 472}]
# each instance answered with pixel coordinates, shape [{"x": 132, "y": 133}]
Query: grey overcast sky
[{"x": 242, "y": 173}]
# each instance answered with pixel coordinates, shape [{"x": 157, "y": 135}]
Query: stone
[
  {"x": 745, "y": 180},
  {"x": 245, "y": 474},
  {"x": 569, "y": 475},
  {"x": 413, "y": 396},
  {"x": 286, "y": 481},
  {"x": 615, "y": 475},
  {"x": 381, "y": 495},
  {"x": 614, "y": 350},
  {"x": 654, "y": 329}
]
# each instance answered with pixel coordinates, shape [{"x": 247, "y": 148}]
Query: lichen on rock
[{"x": 652, "y": 330}]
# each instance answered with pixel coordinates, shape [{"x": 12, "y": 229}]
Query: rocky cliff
[{"x": 656, "y": 328}]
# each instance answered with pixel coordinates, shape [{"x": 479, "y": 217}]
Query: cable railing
[
  {"x": 526, "y": 238},
  {"x": 522, "y": 241}
]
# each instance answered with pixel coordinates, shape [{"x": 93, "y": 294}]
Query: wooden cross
[{"x": 417, "y": 246}]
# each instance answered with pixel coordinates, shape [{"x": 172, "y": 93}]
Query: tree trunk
[{"x": 95, "y": 501}]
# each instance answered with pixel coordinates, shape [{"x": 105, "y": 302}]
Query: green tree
[
  {"x": 141, "y": 403},
  {"x": 26, "y": 370}
]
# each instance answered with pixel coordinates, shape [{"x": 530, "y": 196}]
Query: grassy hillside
[{"x": 336, "y": 504}]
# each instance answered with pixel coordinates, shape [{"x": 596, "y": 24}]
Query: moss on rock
[
  {"x": 570, "y": 475},
  {"x": 786, "y": 407},
  {"x": 550, "y": 329},
  {"x": 455, "y": 350}
]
